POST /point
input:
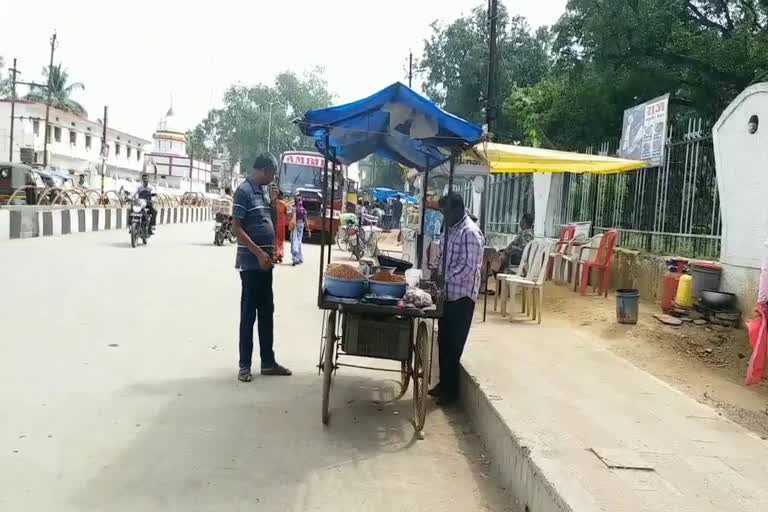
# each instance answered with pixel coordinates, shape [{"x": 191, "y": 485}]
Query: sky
[{"x": 137, "y": 57}]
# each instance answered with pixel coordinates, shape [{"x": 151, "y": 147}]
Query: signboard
[
  {"x": 644, "y": 131},
  {"x": 308, "y": 160}
]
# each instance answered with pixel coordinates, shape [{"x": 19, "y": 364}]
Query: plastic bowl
[
  {"x": 387, "y": 289},
  {"x": 345, "y": 288}
]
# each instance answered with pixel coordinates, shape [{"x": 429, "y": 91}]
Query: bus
[{"x": 301, "y": 173}]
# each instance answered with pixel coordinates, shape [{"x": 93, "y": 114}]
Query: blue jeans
[
  {"x": 256, "y": 300},
  {"x": 297, "y": 236}
]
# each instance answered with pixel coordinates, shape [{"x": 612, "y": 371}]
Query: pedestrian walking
[
  {"x": 464, "y": 244},
  {"x": 297, "y": 231},
  {"x": 281, "y": 223},
  {"x": 255, "y": 233}
]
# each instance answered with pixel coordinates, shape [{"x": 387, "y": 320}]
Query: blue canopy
[{"x": 395, "y": 123}]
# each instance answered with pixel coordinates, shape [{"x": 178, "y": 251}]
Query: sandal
[{"x": 244, "y": 375}]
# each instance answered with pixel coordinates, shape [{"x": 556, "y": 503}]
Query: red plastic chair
[
  {"x": 601, "y": 263},
  {"x": 566, "y": 235}
]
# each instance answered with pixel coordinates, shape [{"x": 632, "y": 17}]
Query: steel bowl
[{"x": 717, "y": 300}]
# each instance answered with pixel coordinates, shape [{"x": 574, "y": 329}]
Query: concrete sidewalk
[{"x": 570, "y": 426}]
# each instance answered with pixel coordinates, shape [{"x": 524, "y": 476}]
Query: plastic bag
[{"x": 758, "y": 338}]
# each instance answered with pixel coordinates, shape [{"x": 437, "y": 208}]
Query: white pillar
[{"x": 541, "y": 186}]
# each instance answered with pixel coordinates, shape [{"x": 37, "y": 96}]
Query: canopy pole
[
  {"x": 444, "y": 240},
  {"x": 422, "y": 221},
  {"x": 326, "y": 152},
  {"x": 330, "y": 220}
]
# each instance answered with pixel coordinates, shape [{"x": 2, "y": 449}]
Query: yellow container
[{"x": 684, "y": 297}]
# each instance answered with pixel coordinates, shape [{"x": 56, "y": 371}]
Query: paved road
[{"x": 118, "y": 393}]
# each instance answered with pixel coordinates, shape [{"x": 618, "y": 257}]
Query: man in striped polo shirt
[{"x": 252, "y": 223}]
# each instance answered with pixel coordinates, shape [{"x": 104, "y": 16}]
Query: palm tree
[{"x": 61, "y": 91}]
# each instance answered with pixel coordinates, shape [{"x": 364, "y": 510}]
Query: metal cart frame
[{"x": 416, "y": 368}]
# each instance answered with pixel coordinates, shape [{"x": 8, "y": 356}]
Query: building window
[
  {"x": 87, "y": 142},
  {"x": 36, "y": 127},
  {"x": 117, "y": 149},
  {"x": 138, "y": 154},
  {"x": 127, "y": 151},
  {"x": 72, "y": 137},
  {"x": 57, "y": 133}
]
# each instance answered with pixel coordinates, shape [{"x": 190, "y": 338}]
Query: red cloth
[
  {"x": 282, "y": 223},
  {"x": 758, "y": 338}
]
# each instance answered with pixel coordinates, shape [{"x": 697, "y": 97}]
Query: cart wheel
[
  {"x": 421, "y": 371},
  {"x": 330, "y": 349}
]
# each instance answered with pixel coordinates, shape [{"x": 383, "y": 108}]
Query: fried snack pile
[
  {"x": 341, "y": 271},
  {"x": 386, "y": 277}
]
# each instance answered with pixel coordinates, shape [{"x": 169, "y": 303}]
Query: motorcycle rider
[{"x": 146, "y": 192}]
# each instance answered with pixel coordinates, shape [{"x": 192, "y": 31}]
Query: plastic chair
[
  {"x": 566, "y": 235},
  {"x": 565, "y": 259},
  {"x": 533, "y": 284},
  {"x": 601, "y": 263},
  {"x": 521, "y": 270}
]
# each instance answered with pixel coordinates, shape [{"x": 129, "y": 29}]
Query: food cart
[{"x": 401, "y": 125}]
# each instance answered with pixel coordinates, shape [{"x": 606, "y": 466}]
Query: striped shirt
[
  {"x": 464, "y": 244},
  {"x": 253, "y": 209}
]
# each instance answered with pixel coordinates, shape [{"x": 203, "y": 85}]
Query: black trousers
[
  {"x": 453, "y": 330},
  {"x": 256, "y": 302}
]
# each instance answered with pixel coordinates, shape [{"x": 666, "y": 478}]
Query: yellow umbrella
[{"x": 505, "y": 158}]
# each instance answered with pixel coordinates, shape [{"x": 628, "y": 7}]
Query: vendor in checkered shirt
[{"x": 464, "y": 244}]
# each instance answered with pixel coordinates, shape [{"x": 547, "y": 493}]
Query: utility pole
[
  {"x": 104, "y": 149},
  {"x": 490, "y": 100},
  {"x": 410, "y": 69},
  {"x": 48, "y": 104},
  {"x": 490, "y": 97},
  {"x": 13, "y": 71}
]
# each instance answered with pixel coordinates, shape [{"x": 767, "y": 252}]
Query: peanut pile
[{"x": 341, "y": 271}]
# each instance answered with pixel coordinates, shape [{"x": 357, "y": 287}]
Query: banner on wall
[{"x": 644, "y": 131}]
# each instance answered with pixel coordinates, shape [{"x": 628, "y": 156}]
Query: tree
[
  {"x": 568, "y": 87},
  {"x": 455, "y": 64},
  {"x": 242, "y": 126},
  {"x": 61, "y": 91},
  {"x": 5, "y": 83}
]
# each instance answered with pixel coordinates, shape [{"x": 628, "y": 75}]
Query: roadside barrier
[{"x": 43, "y": 221}]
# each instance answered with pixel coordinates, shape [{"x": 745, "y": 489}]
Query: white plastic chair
[
  {"x": 570, "y": 261},
  {"x": 526, "y": 260},
  {"x": 532, "y": 284}
]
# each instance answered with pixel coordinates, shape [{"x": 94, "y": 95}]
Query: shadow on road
[{"x": 219, "y": 443}]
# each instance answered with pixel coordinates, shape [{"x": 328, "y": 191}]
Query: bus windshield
[{"x": 293, "y": 177}]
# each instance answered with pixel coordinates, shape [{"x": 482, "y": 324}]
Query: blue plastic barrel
[{"x": 627, "y": 305}]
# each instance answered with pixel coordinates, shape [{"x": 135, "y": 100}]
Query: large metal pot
[{"x": 717, "y": 300}]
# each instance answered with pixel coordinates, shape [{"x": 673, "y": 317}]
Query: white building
[
  {"x": 175, "y": 172},
  {"x": 741, "y": 155},
  {"x": 74, "y": 145}
]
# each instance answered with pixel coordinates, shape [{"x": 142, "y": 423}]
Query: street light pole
[
  {"x": 48, "y": 103},
  {"x": 104, "y": 149},
  {"x": 13, "y": 71},
  {"x": 269, "y": 127},
  {"x": 410, "y": 69}
]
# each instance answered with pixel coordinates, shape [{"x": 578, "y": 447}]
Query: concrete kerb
[
  {"x": 50, "y": 221},
  {"x": 511, "y": 459}
]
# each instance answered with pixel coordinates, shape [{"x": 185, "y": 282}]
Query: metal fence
[
  {"x": 509, "y": 196},
  {"x": 673, "y": 209}
]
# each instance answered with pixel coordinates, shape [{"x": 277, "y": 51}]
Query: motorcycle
[
  {"x": 223, "y": 230},
  {"x": 139, "y": 226}
]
